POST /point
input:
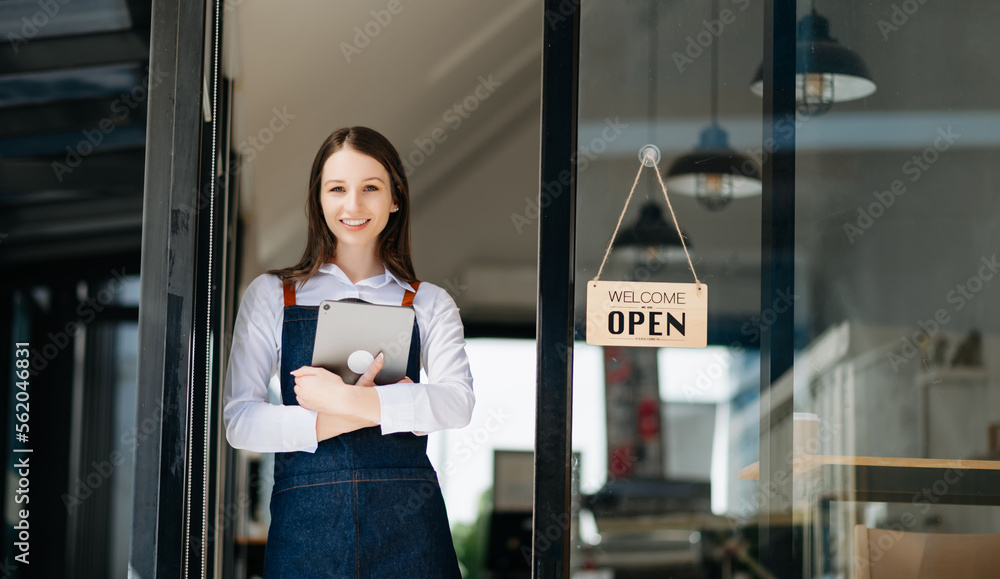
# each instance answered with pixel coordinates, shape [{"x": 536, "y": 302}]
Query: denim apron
[{"x": 364, "y": 504}]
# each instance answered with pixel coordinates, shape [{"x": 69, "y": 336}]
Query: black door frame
[
  {"x": 187, "y": 266},
  {"x": 550, "y": 551}
]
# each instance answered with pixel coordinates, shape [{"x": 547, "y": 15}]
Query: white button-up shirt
[{"x": 253, "y": 423}]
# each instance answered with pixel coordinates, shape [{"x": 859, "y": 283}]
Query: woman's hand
[
  {"x": 320, "y": 390},
  {"x": 368, "y": 378},
  {"x": 323, "y": 391}
]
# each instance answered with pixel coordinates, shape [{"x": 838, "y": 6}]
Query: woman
[{"x": 354, "y": 493}]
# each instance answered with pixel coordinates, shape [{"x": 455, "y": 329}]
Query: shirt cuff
[
  {"x": 398, "y": 402},
  {"x": 298, "y": 429}
]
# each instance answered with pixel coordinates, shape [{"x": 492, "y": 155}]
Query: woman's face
[{"x": 356, "y": 198}]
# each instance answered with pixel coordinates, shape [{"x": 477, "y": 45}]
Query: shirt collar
[{"x": 387, "y": 278}]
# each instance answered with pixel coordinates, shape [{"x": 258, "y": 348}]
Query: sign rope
[{"x": 649, "y": 157}]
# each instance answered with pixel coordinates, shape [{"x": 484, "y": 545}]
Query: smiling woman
[
  {"x": 349, "y": 457},
  {"x": 356, "y": 204},
  {"x": 349, "y": 160}
]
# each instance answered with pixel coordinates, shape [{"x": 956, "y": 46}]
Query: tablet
[{"x": 350, "y": 334}]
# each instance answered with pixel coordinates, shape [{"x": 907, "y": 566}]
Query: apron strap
[
  {"x": 408, "y": 297},
  {"x": 289, "y": 290}
]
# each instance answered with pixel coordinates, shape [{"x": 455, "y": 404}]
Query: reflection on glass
[
  {"x": 22, "y": 21},
  {"x": 123, "y": 429},
  {"x": 816, "y": 95},
  {"x": 114, "y": 80},
  {"x": 714, "y": 190},
  {"x": 895, "y": 389},
  {"x": 825, "y": 71}
]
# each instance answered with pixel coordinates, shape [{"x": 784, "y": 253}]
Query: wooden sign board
[{"x": 662, "y": 315}]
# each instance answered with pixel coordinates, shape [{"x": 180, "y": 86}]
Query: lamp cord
[
  {"x": 680, "y": 234},
  {"x": 653, "y": 66},
  {"x": 715, "y": 68}
]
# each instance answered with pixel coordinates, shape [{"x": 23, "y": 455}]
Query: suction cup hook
[{"x": 649, "y": 155}]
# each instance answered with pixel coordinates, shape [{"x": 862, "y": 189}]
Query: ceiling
[{"x": 72, "y": 134}]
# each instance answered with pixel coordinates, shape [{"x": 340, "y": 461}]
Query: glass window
[
  {"x": 503, "y": 423},
  {"x": 123, "y": 428},
  {"x": 896, "y": 237},
  {"x": 22, "y": 21},
  {"x": 678, "y": 423},
  {"x": 122, "y": 80},
  {"x": 890, "y": 413}
]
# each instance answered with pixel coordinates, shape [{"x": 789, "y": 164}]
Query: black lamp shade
[
  {"x": 821, "y": 61},
  {"x": 650, "y": 230},
  {"x": 714, "y": 159}
]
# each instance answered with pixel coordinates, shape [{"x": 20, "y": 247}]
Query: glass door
[
  {"x": 830, "y": 169},
  {"x": 662, "y": 432}
]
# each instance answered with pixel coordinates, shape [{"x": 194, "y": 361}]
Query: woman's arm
[
  {"x": 445, "y": 402},
  {"x": 447, "y": 399},
  {"x": 331, "y": 425},
  {"x": 351, "y": 405},
  {"x": 251, "y": 421}
]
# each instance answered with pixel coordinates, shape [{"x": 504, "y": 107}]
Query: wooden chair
[{"x": 889, "y": 554}]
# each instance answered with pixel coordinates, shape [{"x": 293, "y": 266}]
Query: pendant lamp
[
  {"x": 713, "y": 172},
  {"x": 650, "y": 230},
  {"x": 825, "y": 71}
]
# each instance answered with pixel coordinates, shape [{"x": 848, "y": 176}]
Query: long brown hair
[{"x": 393, "y": 242}]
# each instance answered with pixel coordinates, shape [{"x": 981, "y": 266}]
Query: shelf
[{"x": 814, "y": 461}]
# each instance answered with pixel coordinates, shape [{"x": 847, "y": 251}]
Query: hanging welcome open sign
[
  {"x": 625, "y": 313},
  {"x": 647, "y": 314}
]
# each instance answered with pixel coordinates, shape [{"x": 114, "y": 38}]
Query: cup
[{"x": 805, "y": 433}]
